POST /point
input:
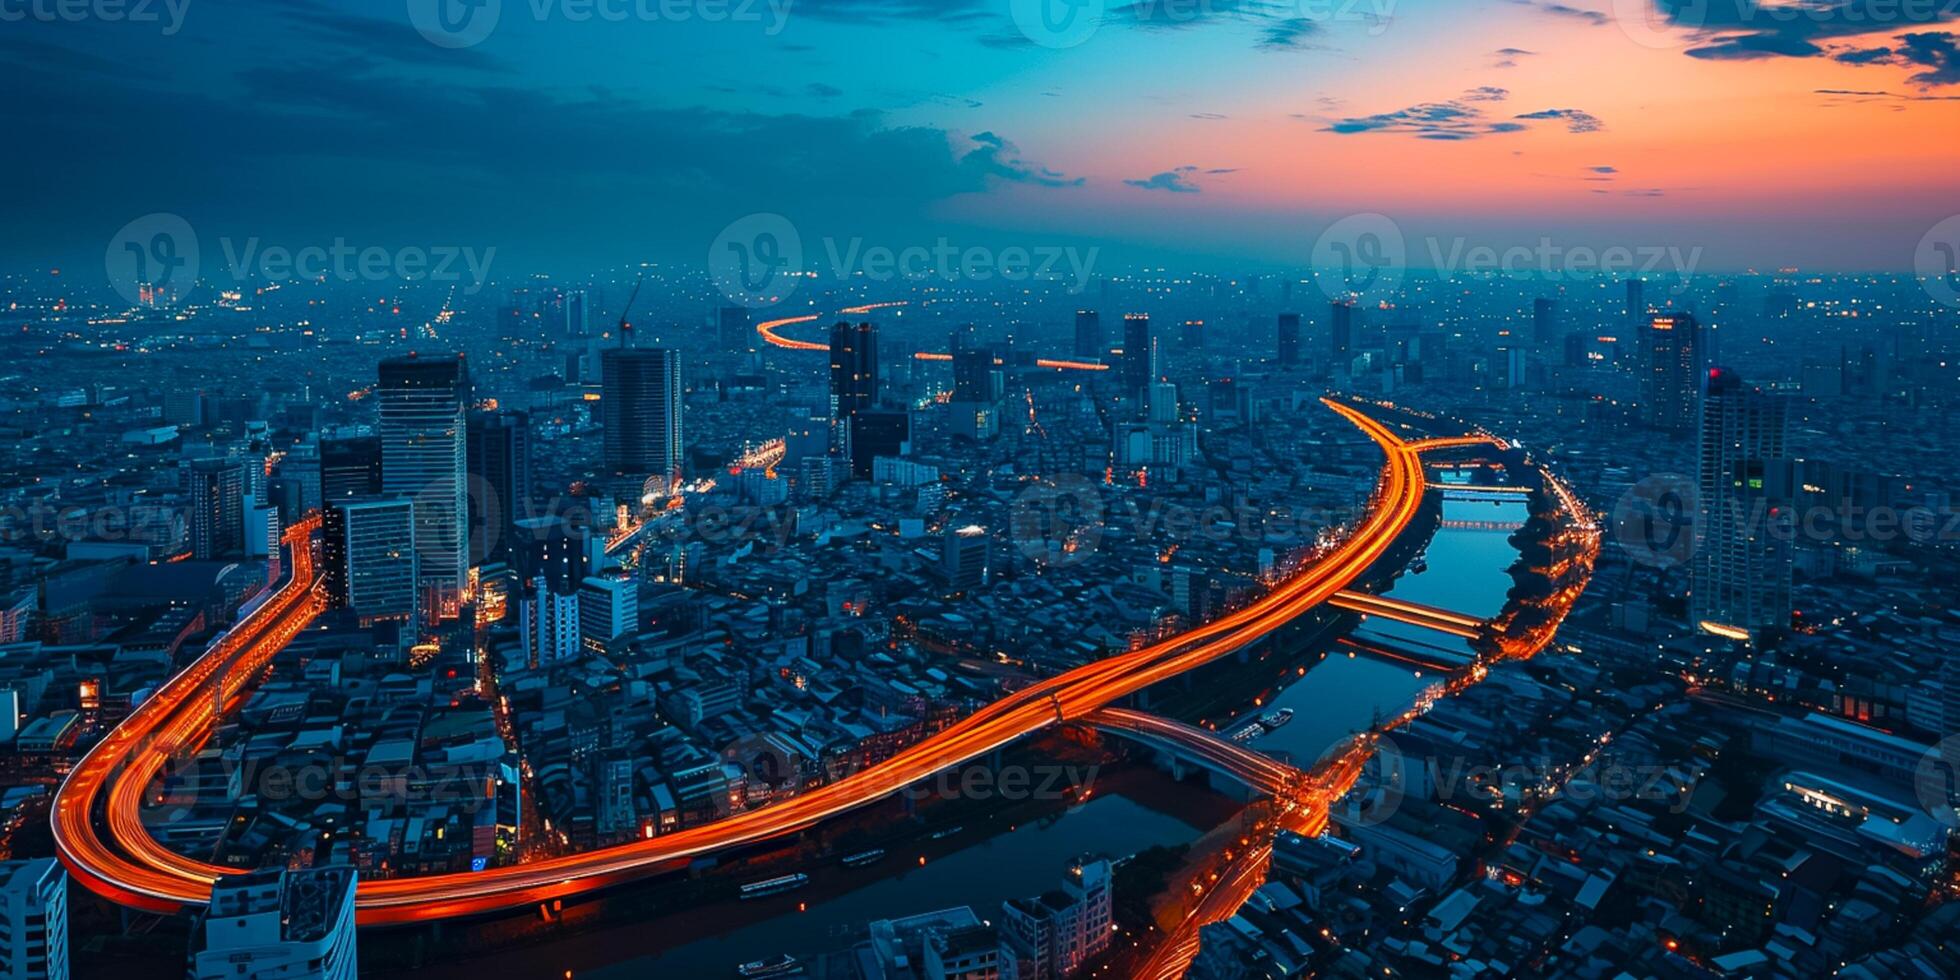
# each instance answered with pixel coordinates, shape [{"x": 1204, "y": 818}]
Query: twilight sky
[{"x": 1218, "y": 134}]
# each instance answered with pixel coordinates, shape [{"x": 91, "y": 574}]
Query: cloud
[
  {"x": 1592, "y": 17},
  {"x": 1179, "y": 180},
  {"x": 996, "y": 157},
  {"x": 1746, "y": 30},
  {"x": 1288, "y": 34},
  {"x": 1461, "y": 118},
  {"x": 1509, "y": 57},
  {"x": 1575, "y": 120},
  {"x": 822, "y": 91},
  {"x": 1604, "y": 170}
]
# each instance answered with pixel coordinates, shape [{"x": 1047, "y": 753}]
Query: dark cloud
[
  {"x": 1461, "y": 118},
  {"x": 1741, "y": 30},
  {"x": 996, "y": 157},
  {"x": 1179, "y": 180},
  {"x": 1509, "y": 57},
  {"x": 1575, "y": 120},
  {"x": 1593, "y": 17},
  {"x": 1604, "y": 170}
]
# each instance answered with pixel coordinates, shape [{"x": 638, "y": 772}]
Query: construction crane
[{"x": 625, "y": 327}]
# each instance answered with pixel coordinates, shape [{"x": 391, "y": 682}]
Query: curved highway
[{"x": 113, "y": 854}]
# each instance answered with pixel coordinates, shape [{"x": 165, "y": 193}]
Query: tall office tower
[
  {"x": 1160, "y": 401},
  {"x": 1089, "y": 340},
  {"x": 1340, "y": 337},
  {"x": 853, "y": 369},
  {"x": 549, "y": 621},
  {"x": 608, "y": 613},
  {"x": 552, "y": 548},
  {"x": 217, "y": 520},
  {"x": 963, "y": 557},
  {"x": 641, "y": 403},
  {"x": 278, "y": 923},
  {"x": 1671, "y": 377},
  {"x": 350, "y": 467},
  {"x": 1575, "y": 349},
  {"x": 976, "y": 378},
  {"x": 1544, "y": 325},
  {"x": 1636, "y": 300},
  {"x": 423, "y": 457},
  {"x": 1743, "y": 550},
  {"x": 875, "y": 433},
  {"x": 499, "y": 456},
  {"x": 368, "y": 557},
  {"x": 33, "y": 919},
  {"x": 1289, "y": 339},
  {"x": 1139, "y": 353},
  {"x": 733, "y": 332},
  {"x": 576, "y": 322}
]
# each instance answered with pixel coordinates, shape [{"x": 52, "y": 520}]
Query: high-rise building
[
  {"x": 1636, "y": 300},
  {"x": 217, "y": 520},
  {"x": 1089, "y": 340},
  {"x": 641, "y": 409},
  {"x": 733, "y": 331},
  {"x": 34, "y": 920},
  {"x": 1544, "y": 324},
  {"x": 1743, "y": 558},
  {"x": 1289, "y": 339},
  {"x": 499, "y": 457},
  {"x": 1193, "y": 337},
  {"x": 279, "y": 923},
  {"x": 1340, "y": 336},
  {"x": 1671, "y": 378},
  {"x": 853, "y": 369},
  {"x": 424, "y": 457},
  {"x": 1057, "y": 933},
  {"x": 553, "y": 548},
  {"x": 350, "y": 467},
  {"x": 608, "y": 611},
  {"x": 963, "y": 557},
  {"x": 875, "y": 433},
  {"x": 576, "y": 322},
  {"x": 549, "y": 620},
  {"x": 1139, "y": 353},
  {"x": 369, "y": 558}
]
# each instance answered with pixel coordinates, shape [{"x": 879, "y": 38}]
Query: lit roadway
[
  {"x": 770, "y": 331},
  {"x": 113, "y": 854}
]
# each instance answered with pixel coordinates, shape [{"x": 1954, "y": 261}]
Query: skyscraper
[
  {"x": 217, "y": 524},
  {"x": 1742, "y": 560},
  {"x": 1340, "y": 336},
  {"x": 875, "y": 433},
  {"x": 853, "y": 369},
  {"x": 423, "y": 456},
  {"x": 576, "y": 322},
  {"x": 1139, "y": 353},
  {"x": 34, "y": 920},
  {"x": 1089, "y": 341},
  {"x": 1289, "y": 339},
  {"x": 499, "y": 454},
  {"x": 608, "y": 611},
  {"x": 368, "y": 557},
  {"x": 1544, "y": 325},
  {"x": 1636, "y": 299},
  {"x": 732, "y": 329},
  {"x": 1671, "y": 375},
  {"x": 641, "y": 409},
  {"x": 350, "y": 467}
]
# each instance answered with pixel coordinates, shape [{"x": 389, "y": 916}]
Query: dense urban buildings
[{"x": 529, "y": 499}]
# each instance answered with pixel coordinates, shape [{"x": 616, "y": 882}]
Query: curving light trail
[
  {"x": 770, "y": 331},
  {"x": 115, "y": 855}
]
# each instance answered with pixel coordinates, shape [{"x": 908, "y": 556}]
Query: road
[{"x": 116, "y": 857}]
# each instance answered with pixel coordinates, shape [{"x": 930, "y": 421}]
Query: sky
[{"x": 1220, "y": 135}]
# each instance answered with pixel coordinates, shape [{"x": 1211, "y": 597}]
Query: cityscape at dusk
[{"x": 980, "y": 489}]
